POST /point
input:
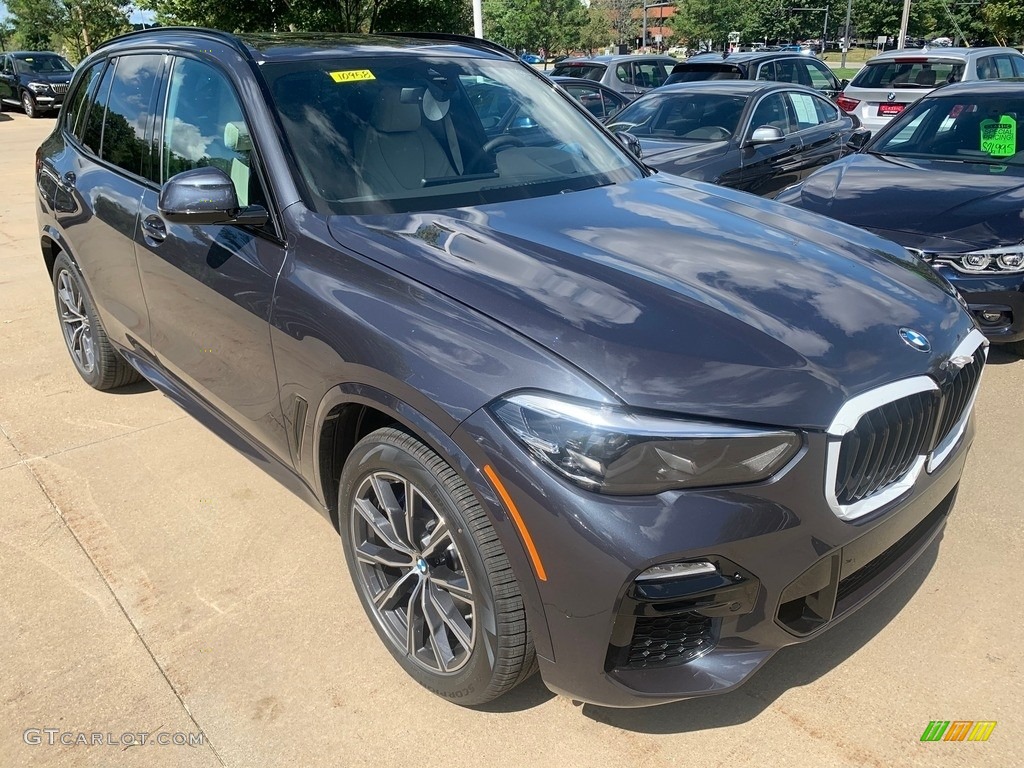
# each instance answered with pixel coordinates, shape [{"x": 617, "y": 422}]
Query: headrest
[
  {"x": 391, "y": 115},
  {"x": 236, "y": 137}
]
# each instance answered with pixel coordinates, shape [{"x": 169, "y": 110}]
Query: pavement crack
[{"x": 57, "y": 510}]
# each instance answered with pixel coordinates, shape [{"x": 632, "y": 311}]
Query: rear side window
[
  {"x": 92, "y": 129},
  {"x": 995, "y": 68},
  {"x": 129, "y": 113},
  {"x": 772, "y": 111},
  {"x": 78, "y": 103},
  {"x": 649, "y": 74},
  {"x": 1018, "y": 66},
  {"x": 693, "y": 73},
  {"x": 586, "y": 71},
  {"x": 909, "y": 73},
  {"x": 821, "y": 79}
]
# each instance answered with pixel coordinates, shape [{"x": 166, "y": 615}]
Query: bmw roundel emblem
[
  {"x": 891, "y": 96},
  {"x": 915, "y": 339}
]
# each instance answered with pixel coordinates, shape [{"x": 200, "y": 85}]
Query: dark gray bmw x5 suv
[{"x": 564, "y": 411}]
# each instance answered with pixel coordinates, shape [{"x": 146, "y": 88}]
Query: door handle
[{"x": 154, "y": 228}]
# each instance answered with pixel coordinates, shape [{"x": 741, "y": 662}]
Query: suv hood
[
  {"x": 927, "y": 204},
  {"x": 684, "y": 297}
]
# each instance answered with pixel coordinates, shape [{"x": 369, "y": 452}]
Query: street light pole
[
  {"x": 846, "y": 32},
  {"x": 904, "y": 23},
  {"x": 478, "y": 18},
  {"x": 643, "y": 40}
]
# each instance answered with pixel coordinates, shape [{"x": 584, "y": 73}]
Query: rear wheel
[
  {"x": 95, "y": 359},
  {"x": 430, "y": 571}
]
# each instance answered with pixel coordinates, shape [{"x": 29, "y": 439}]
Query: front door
[
  {"x": 209, "y": 288},
  {"x": 769, "y": 168}
]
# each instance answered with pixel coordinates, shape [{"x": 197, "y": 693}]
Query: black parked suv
[
  {"x": 780, "y": 66},
  {"x": 35, "y": 80},
  {"x": 637, "y": 430}
]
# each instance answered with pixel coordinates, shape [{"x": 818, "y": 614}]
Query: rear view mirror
[
  {"x": 631, "y": 142},
  {"x": 766, "y": 134},
  {"x": 206, "y": 196}
]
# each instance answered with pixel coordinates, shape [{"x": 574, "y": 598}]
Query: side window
[
  {"x": 205, "y": 126},
  {"x": 611, "y": 104},
  {"x": 92, "y": 128},
  {"x": 1018, "y": 65},
  {"x": 821, "y": 79},
  {"x": 648, "y": 74},
  {"x": 772, "y": 111},
  {"x": 590, "y": 98},
  {"x": 622, "y": 73},
  {"x": 78, "y": 101},
  {"x": 804, "y": 109},
  {"x": 1004, "y": 67},
  {"x": 787, "y": 71},
  {"x": 987, "y": 68},
  {"x": 767, "y": 71},
  {"x": 5, "y": 66},
  {"x": 129, "y": 113},
  {"x": 827, "y": 111}
]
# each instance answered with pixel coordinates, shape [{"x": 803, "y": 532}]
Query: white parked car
[{"x": 890, "y": 81}]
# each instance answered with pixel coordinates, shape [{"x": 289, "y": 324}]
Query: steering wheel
[{"x": 503, "y": 141}]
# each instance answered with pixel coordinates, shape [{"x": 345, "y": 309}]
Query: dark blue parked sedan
[{"x": 946, "y": 181}]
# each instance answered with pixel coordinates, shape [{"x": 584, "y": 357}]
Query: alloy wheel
[
  {"x": 74, "y": 322},
  {"x": 29, "y": 104},
  {"x": 411, "y": 570}
]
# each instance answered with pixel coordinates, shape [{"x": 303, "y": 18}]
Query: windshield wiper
[{"x": 440, "y": 180}]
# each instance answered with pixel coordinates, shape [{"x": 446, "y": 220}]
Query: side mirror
[
  {"x": 843, "y": 83},
  {"x": 858, "y": 139},
  {"x": 766, "y": 134},
  {"x": 206, "y": 196},
  {"x": 631, "y": 142}
]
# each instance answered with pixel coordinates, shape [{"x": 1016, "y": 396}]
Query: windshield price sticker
[
  {"x": 351, "y": 75},
  {"x": 999, "y": 139}
]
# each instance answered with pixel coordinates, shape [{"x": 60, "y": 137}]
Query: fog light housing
[
  {"x": 677, "y": 570},
  {"x": 991, "y": 315}
]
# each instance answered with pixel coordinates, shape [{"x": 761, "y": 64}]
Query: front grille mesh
[
  {"x": 887, "y": 440},
  {"x": 661, "y": 641},
  {"x": 59, "y": 88}
]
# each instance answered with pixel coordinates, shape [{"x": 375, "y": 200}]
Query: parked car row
[{"x": 565, "y": 412}]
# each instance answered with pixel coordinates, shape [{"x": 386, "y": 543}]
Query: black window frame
[
  {"x": 94, "y": 96},
  {"x": 82, "y": 80}
]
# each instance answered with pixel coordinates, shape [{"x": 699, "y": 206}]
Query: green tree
[
  {"x": 33, "y": 24},
  {"x": 1005, "y": 18},
  {"x": 534, "y": 24},
  {"x": 701, "y": 20}
]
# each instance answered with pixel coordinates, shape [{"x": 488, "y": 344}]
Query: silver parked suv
[
  {"x": 629, "y": 75},
  {"x": 889, "y": 82}
]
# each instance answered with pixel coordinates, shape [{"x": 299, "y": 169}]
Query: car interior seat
[
  {"x": 925, "y": 77},
  {"x": 396, "y": 150}
]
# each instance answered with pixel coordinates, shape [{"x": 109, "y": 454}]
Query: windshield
[
  {"x": 401, "y": 134},
  {"x": 685, "y": 116},
  {"x": 966, "y": 128},
  {"x": 917, "y": 72},
  {"x": 587, "y": 70},
  {"x": 41, "y": 64}
]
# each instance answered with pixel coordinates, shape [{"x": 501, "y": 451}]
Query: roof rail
[
  {"x": 216, "y": 34},
  {"x": 475, "y": 42}
]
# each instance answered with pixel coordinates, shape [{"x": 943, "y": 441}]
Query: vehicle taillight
[{"x": 847, "y": 104}]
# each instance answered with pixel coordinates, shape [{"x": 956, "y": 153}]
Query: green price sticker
[{"x": 999, "y": 139}]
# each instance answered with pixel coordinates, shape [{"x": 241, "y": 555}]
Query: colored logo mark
[{"x": 958, "y": 730}]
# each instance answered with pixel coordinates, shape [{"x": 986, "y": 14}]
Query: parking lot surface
[{"x": 153, "y": 581}]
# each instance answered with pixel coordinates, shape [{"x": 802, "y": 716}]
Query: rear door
[
  {"x": 820, "y": 128},
  {"x": 770, "y": 168},
  {"x": 100, "y": 179},
  {"x": 209, "y": 288}
]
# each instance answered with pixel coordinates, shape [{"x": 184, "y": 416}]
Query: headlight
[
  {"x": 991, "y": 261},
  {"x": 39, "y": 86},
  {"x": 611, "y": 450}
]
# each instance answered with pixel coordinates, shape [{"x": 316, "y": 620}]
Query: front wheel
[
  {"x": 430, "y": 571},
  {"x": 28, "y": 103}
]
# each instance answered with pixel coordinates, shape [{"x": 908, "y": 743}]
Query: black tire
[
  {"x": 424, "y": 578},
  {"x": 95, "y": 359},
  {"x": 28, "y": 103}
]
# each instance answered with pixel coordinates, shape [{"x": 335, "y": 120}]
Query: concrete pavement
[{"x": 153, "y": 580}]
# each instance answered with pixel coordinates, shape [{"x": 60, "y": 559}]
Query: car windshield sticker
[
  {"x": 999, "y": 139},
  {"x": 351, "y": 75}
]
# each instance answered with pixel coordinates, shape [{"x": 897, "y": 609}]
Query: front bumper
[
  {"x": 992, "y": 292},
  {"x": 796, "y": 569}
]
